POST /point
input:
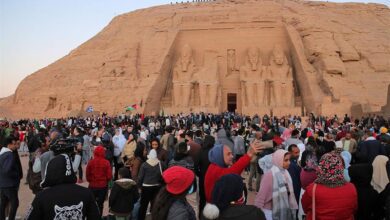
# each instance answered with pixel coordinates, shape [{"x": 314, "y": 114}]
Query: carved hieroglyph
[
  {"x": 183, "y": 77},
  {"x": 251, "y": 76},
  {"x": 280, "y": 80}
]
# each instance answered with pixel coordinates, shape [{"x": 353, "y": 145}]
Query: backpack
[{"x": 34, "y": 179}]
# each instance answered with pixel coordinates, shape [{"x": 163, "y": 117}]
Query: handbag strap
[
  {"x": 314, "y": 202},
  {"x": 159, "y": 164}
]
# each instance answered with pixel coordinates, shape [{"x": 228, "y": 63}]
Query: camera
[{"x": 64, "y": 145}]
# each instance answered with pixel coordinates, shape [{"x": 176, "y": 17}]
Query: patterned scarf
[{"x": 330, "y": 171}]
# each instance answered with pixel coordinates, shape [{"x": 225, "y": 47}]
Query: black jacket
[
  {"x": 123, "y": 196},
  {"x": 62, "y": 198},
  {"x": 367, "y": 151},
  {"x": 149, "y": 174},
  {"x": 241, "y": 212}
]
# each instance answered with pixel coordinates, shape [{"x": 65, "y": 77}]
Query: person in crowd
[
  {"x": 162, "y": 154},
  {"x": 347, "y": 157},
  {"x": 222, "y": 138},
  {"x": 221, "y": 163},
  {"x": 201, "y": 166},
  {"x": 229, "y": 201},
  {"x": 276, "y": 196},
  {"x": 330, "y": 196},
  {"x": 33, "y": 174},
  {"x": 99, "y": 173},
  {"x": 171, "y": 203},
  {"x": 168, "y": 142},
  {"x": 380, "y": 183},
  {"x": 254, "y": 172},
  {"x": 10, "y": 176},
  {"x": 294, "y": 139},
  {"x": 130, "y": 146},
  {"x": 78, "y": 134},
  {"x": 182, "y": 158},
  {"x": 368, "y": 149},
  {"x": 295, "y": 170},
  {"x": 149, "y": 181},
  {"x": 123, "y": 195},
  {"x": 140, "y": 156},
  {"x": 361, "y": 175},
  {"x": 194, "y": 147},
  {"x": 62, "y": 198},
  {"x": 239, "y": 145},
  {"x": 349, "y": 144},
  {"x": 119, "y": 142}
]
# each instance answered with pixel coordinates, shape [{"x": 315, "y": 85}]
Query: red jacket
[
  {"x": 214, "y": 172},
  {"x": 338, "y": 203},
  {"x": 99, "y": 171}
]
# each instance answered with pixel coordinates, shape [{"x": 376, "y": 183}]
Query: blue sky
[{"x": 35, "y": 33}]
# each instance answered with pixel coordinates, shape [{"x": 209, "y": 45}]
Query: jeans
[
  {"x": 100, "y": 196},
  {"x": 9, "y": 196},
  {"x": 147, "y": 195}
]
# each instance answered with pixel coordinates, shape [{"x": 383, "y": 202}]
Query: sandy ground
[{"x": 26, "y": 196}]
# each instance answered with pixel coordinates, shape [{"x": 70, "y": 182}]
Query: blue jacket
[{"x": 9, "y": 169}]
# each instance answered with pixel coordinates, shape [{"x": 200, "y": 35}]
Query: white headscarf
[{"x": 379, "y": 179}]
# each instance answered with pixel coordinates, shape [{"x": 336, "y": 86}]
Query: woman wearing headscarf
[
  {"x": 276, "y": 196},
  {"x": 330, "y": 196},
  {"x": 149, "y": 181},
  {"x": 347, "y": 157},
  {"x": 380, "y": 183},
  {"x": 228, "y": 201}
]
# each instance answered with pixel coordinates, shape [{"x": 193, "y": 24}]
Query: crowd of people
[{"x": 198, "y": 166}]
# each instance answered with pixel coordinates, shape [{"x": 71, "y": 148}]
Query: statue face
[
  {"x": 253, "y": 56},
  {"x": 186, "y": 56}
]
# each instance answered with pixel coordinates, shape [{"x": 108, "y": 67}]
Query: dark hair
[
  {"x": 139, "y": 151},
  {"x": 155, "y": 140},
  {"x": 198, "y": 133},
  {"x": 169, "y": 129},
  {"x": 10, "y": 139},
  {"x": 163, "y": 203},
  {"x": 182, "y": 148},
  {"x": 208, "y": 142},
  {"x": 291, "y": 147},
  {"x": 190, "y": 134},
  {"x": 124, "y": 172},
  {"x": 295, "y": 132}
]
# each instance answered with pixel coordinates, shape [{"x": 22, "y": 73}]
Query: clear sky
[{"x": 35, "y": 33}]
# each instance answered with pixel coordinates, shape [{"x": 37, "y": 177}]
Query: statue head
[
  {"x": 253, "y": 57},
  {"x": 186, "y": 57},
  {"x": 278, "y": 55}
]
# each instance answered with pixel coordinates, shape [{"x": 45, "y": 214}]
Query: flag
[
  {"x": 135, "y": 106},
  {"x": 129, "y": 108},
  {"x": 89, "y": 109}
]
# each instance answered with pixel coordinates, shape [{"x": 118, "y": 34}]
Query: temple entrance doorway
[{"x": 232, "y": 102}]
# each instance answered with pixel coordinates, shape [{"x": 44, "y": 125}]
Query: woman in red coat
[
  {"x": 335, "y": 199},
  {"x": 99, "y": 173}
]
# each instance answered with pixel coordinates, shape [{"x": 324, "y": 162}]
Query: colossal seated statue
[
  {"x": 281, "y": 90},
  {"x": 252, "y": 84},
  {"x": 182, "y": 78}
]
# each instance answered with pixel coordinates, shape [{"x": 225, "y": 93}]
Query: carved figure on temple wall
[
  {"x": 182, "y": 79},
  {"x": 208, "y": 81},
  {"x": 280, "y": 83},
  {"x": 231, "y": 61},
  {"x": 252, "y": 82}
]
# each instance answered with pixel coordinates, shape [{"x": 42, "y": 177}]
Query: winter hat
[
  {"x": 152, "y": 154},
  {"x": 99, "y": 151},
  {"x": 330, "y": 171},
  {"x": 59, "y": 171},
  {"x": 227, "y": 190},
  {"x": 383, "y": 130},
  {"x": 178, "y": 179},
  {"x": 216, "y": 155}
]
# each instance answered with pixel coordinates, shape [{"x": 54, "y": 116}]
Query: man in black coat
[{"x": 368, "y": 149}]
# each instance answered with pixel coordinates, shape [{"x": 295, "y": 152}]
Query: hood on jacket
[
  {"x": 126, "y": 183},
  {"x": 4, "y": 150},
  {"x": 59, "y": 171},
  {"x": 99, "y": 152},
  {"x": 216, "y": 155},
  {"x": 221, "y": 133}
]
